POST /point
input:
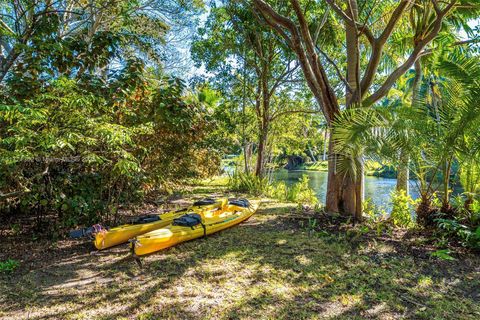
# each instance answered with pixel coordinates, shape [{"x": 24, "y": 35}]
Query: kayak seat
[
  {"x": 244, "y": 203},
  {"x": 188, "y": 220},
  {"x": 146, "y": 219}
]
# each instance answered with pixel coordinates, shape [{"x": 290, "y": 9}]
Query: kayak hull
[{"x": 172, "y": 235}]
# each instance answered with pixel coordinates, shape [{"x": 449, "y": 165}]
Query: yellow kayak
[
  {"x": 114, "y": 236},
  {"x": 191, "y": 226}
]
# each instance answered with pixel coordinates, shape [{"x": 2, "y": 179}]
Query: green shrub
[
  {"x": 475, "y": 209},
  {"x": 300, "y": 192},
  {"x": 468, "y": 236},
  {"x": 402, "y": 209},
  {"x": 75, "y": 152},
  {"x": 8, "y": 265},
  {"x": 249, "y": 183},
  {"x": 465, "y": 225},
  {"x": 279, "y": 191},
  {"x": 372, "y": 212}
]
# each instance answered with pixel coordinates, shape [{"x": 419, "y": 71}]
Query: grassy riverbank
[
  {"x": 278, "y": 264},
  {"x": 371, "y": 168}
]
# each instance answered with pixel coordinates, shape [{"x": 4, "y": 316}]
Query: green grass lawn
[
  {"x": 273, "y": 266},
  {"x": 371, "y": 167},
  {"x": 317, "y": 166}
]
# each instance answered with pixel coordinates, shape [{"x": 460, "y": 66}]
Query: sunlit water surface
[{"x": 377, "y": 189}]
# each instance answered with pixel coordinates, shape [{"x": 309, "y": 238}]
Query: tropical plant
[
  {"x": 249, "y": 183},
  {"x": 8, "y": 265},
  {"x": 431, "y": 132},
  {"x": 370, "y": 32},
  {"x": 403, "y": 208},
  {"x": 301, "y": 192}
]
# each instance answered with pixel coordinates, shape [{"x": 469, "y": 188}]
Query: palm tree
[{"x": 431, "y": 132}]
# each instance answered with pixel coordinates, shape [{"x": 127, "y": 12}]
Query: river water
[{"x": 378, "y": 189}]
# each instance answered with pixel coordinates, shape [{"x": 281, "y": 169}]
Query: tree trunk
[
  {"x": 359, "y": 191},
  {"x": 312, "y": 155},
  {"x": 246, "y": 157},
  {"x": 334, "y": 201},
  {"x": 446, "y": 186},
  {"x": 403, "y": 167},
  {"x": 353, "y": 188},
  {"x": 403, "y": 173},
  {"x": 344, "y": 192},
  {"x": 262, "y": 142},
  {"x": 341, "y": 190},
  {"x": 325, "y": 145}
]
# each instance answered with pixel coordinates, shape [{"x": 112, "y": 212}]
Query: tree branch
[
  {"x": 340, "y": 12},
  {"x": 339, "y": 74},
  {"x": 279, "y": 114},
  {"x": 320, "y": 26},
  {"x": 301, "y": 43},
  {"x": 378, "y": 44},
  {"x": 280, "y": 80},
  {"x": 395, "y": 17},
  {"x": 417, "y": 52}
]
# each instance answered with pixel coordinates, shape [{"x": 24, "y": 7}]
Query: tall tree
[
  {"x": 437, "y": 129},
  {"x": 262, "y": 64},
  {"x": 143, "y": 27},
  {"x": 369, "y": 29}
]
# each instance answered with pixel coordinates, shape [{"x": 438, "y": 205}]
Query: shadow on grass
[{"x": 266, "y": 267}]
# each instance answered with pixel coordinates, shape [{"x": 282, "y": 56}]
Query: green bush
[
  {"x": 8, "y": 265},
  {"x": 467, "y": 236},
  {"x": 403, "y": 207},
  {"x": 78, "y": 156},
  {"x": 464, "y": 226},
  {"x": 373, "y": 212},
  {"x": 280, "y": 191},
  {"x": 300, "y": 192},
  {"x": 248, "y": 183}
]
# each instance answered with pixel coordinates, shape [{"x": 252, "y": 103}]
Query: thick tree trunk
[
  {"x": 353, "y": 187},
  {"x": 334, "y": 202},
  {"x": 341, "y": 189}
]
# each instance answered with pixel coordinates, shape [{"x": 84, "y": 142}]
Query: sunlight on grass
[{"x": 266, "y": 267}]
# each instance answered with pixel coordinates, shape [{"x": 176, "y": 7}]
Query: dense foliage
[
  {"x": 86, "y": 125},
  {"x": 437, "y": 131},
  {"x": 92, "y": 116}
]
